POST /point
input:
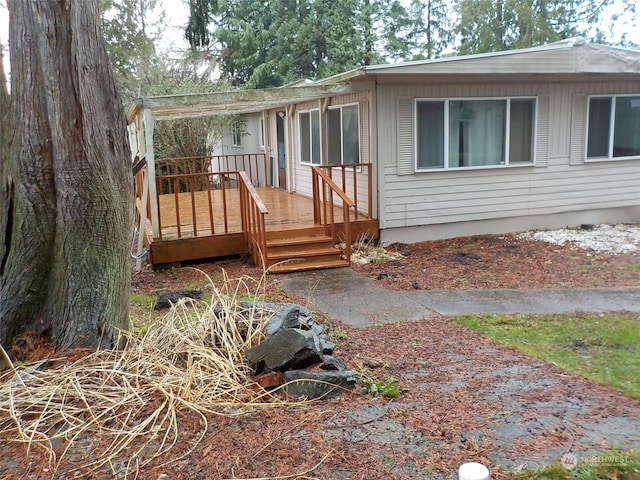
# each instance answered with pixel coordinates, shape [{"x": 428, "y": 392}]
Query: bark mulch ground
[{"x": 463, "y": 397}]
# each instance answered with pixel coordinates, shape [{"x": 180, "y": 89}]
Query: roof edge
[{"x": 566, "y": 44}]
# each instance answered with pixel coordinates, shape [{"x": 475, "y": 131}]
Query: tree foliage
[
  {"x": 421, "y": 30},
  {"x": 140, "y": 71},
  {"x": 185, "y": 137},
  {"x": 262, "y": 44},
  {"x": 130, "y": 42},
  {"x": 494, "y": 25}
]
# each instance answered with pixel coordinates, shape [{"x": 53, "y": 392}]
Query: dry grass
[{"x": 189, "y": 364}]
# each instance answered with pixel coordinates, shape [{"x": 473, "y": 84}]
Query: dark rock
[
  {"x": 166, "y": 299},
  {"x": 415, "y": 285},
  {"x": 283, "y": 315},
  {"x": 285, "y": 318},
  {"x": 327, "y": 346},
  {"x": 287, "y": 349},
  {"x": 383, "y": 275},
  {"x": 323, "y": 384},
  {"x": 332, "y": 363},
  {"x": 316, "y": 328}
]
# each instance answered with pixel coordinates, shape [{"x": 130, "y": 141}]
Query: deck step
[
  {"x": 297, "y": 245},
  {"x": 303, "y": 252},
  {"x": 299, "y": 266},
  {"x": 312, "y": 231}
]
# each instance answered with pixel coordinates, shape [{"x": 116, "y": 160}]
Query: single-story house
[{"x": 542, "y": 137}]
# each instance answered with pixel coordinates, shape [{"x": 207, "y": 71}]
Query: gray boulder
[
  {"x": 288, "y": 317},
  {"x": 166, "y": 299},
  {"x": 290, "y": 348},
  {"x": 324, "y": 384},
  {"x": 333, "y": 363}
]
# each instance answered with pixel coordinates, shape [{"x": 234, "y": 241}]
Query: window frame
[
  {"x": 446, "y": 101},
  {"x": 310, "y": 134},
  {"x": 612, "y": 129},
  {"x": 236, "y": 133},
  {"x": 341, "y": 107}
]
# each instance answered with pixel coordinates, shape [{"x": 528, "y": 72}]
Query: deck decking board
[{"x": 287, "y": 213}]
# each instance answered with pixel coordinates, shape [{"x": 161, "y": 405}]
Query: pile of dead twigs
[{"x": 190, "y": 364}]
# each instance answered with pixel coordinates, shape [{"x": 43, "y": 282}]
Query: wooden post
[
  {"x": 136, "y": 135},
  {"x": 151, "y": 170},
  {"x": 143, "y": 222}
]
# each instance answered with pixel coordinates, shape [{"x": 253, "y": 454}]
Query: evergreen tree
[
  {"x": 66, "y": 196},
  {"x": 421, "y": 31},
  {"x": 494, "y": 25},
  {"x": 130, "y": 43},
  {"x": 261, "y": 44}
]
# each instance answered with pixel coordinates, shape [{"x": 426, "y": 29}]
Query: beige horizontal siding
[{"x": 450, "y": 196}]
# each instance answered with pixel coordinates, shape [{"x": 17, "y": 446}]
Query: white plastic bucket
[{"x": 473, "y": 471}]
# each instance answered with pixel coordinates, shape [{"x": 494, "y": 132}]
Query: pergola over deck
[{"x": 239, "y": 183}]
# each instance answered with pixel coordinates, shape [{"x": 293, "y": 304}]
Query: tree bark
[
  {"x": 69, "y": 210},
  {"x": 4, "y": 142}
]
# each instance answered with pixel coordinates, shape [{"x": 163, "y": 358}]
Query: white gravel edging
[{"x": 610, "y": 239}]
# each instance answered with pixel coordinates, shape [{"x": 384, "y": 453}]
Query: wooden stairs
[{"x": 300, "y": 249}]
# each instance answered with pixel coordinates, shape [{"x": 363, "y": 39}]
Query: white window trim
[
  {"x": 262, "y": 133},
  {"x": 341, "y": 106},
  {"x": 299, "y": 128},
  {"x": 446, "y": 100},
  {"x": 236, "y": 134},
  {"x": 612, "y": 129}
]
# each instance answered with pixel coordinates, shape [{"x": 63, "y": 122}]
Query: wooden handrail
[
  {"x": 331, "y": 184},
  {"x": 351, "y": 185},
  {"x": 323, "y": 187},
  {"x": 253, "y": 212}
]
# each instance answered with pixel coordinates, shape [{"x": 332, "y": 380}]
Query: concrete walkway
[{"x": 345, "y": 295}]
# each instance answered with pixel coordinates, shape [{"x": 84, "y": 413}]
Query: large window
[
  {"x": 343, "y": 135},
  {"x": 309, "y": 124},
  {"x": 613, "y": 129},
  {"x": 474, "y": 132}
]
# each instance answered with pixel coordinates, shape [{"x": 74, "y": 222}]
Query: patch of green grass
[
  {"x": 248, "y": 297},
  {"x": 604, "y": 348},
  {"x": 141, "y": 311},
  {"x": 612, "y": 465},
  {"x": 374, "y": 387},
  {"x": 336, "y": 334}
]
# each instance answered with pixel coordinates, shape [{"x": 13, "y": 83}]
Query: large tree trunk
[
  {"x": 4, "y": 141},
  {"x": 65, "y": 264}
]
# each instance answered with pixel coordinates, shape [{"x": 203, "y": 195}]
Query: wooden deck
[
  {"x": 286, "y": 211},
  {"x": 197, "y": 225}
]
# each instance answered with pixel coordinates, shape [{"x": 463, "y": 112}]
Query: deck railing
[
  {"x": 193, "y": 211},
  {"x": 253, "y": 213},
  {"x": 254, "y": 164},
  {"x": 347, "y": 176},
  {"x": 325, "y": 191}
]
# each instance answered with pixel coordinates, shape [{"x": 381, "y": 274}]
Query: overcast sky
[{"x": 177, "y": 18}]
